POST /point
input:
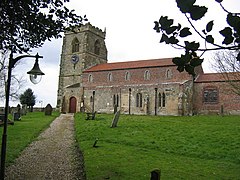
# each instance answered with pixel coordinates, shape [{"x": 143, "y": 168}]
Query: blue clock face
[{"x": 75, "y": 59}]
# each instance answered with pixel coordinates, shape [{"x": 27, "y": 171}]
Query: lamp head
[{"x": 35, "y": 73}]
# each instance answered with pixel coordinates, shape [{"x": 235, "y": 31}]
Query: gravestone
[
  {"x": 115, "y": 119},
  {"x": 115, "y": 109},
  {"x": 155, "y": 174},
  {"x": 17, "y": 114},
  {"x": 23, "y": 110},
  {"x": 48, "y": 110}
]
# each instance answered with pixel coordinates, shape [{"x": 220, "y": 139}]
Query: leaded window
[{"x": 210, "y": 95}]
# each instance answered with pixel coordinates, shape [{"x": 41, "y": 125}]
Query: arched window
[
  {"x": 163, "y": 100},
  {"x": 127, "y": 76},
  {"x": 90, "y": 78},
  {"x": 75, "y": 45},
  {"x": 97, "y": 47},
  {"x": 91, "y": 99},
  {"x": 109, "y": 76},
  {"x": 139, "y": 100},
  {"x": 116, "y": 100},
  {"x": 168, "y": 74},
  {"x": 147, "y": 75},
  {"x": 159, "y": 100}
]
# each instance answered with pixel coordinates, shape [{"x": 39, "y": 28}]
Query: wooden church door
[{"x": 72, "y": 105}]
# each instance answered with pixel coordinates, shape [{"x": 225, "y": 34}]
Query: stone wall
[{"x": 126, "y": 90}]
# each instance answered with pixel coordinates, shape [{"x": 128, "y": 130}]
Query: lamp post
[{"x": 34, "y": 77}]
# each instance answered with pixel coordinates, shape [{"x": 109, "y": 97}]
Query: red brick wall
[
  {"x": 157, "y": 75},
  {"x": 226, "y": 98}
]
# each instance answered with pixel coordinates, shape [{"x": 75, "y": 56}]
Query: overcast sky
[{"x": 130, "y": 36}]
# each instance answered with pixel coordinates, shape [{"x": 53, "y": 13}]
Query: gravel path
[{"x": 52, "y": 156}]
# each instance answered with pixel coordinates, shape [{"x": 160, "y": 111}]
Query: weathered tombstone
[
  {"x": 115, "y": 109},
  {"x": 48, "y": 110},
  {"x": 18, "y": 108},
  {"x": 17, "y": 114},
  {"x": 115, "y": 119},
  {"x": 24, "y": 110},
  {"x": 155, "y": 174}
]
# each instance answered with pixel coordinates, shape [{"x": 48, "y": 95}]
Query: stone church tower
[{"x": 81, "y": 50}]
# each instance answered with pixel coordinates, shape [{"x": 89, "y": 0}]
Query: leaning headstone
[
  {"x": 115, "y": 119},
  {"x": 48, "y": 110},
  {"x": 115, "y": 109},
  {"x": 24, "y": 110}
]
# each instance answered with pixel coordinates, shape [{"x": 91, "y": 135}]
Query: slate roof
[
  {"x": 132, "y": 65},
  {"x": 217, "y": 77}
]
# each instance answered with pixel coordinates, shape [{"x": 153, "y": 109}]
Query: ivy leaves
[{"x": 173, "y": 34}]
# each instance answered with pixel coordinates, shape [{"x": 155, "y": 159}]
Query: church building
[{"x": 87, "y": 82}]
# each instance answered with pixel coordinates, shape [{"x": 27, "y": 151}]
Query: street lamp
[{"x": 35, "y": 77}]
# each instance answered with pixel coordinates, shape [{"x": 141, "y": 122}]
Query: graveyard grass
[
  {"x": 23, "y": 132},
  {"x": 198, "y": 147}
]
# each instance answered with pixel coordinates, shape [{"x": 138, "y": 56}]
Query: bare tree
[
  {"x": 17, "y": 82},
  {"x": 225, "y": 62}
]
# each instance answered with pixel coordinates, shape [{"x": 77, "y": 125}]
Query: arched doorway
[{"x": 72, "y": 105}]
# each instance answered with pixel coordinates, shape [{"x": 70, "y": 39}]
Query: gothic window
[
  {"x": 147, "y": 75},
  {"x": 159, "y": 100},
  {"x": 109, "y": 76},
  {"x": 168, "y": 74},
  {"x": 116, "y": 100},
  {"x": 163, "y": 100},
  {"x": 90, "y": 78},
  {"x": 127, "y": 76},
  {"x": 210, "y": 95},
  {"x": 97, "y": 47},
  {"x": 75, "y": 45},
  {"x": 139, "y": 100}
]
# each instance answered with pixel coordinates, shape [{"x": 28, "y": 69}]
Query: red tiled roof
[
  {"x": 218, "y": 77},
  {"x": 132, "y": 65}
]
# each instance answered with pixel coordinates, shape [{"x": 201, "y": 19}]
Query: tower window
[
  {"x": 147, "y": 75},
  {"x": 97, "y": 47},
  {"x": 75, "y": 45}
]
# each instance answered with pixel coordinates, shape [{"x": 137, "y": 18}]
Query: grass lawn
[
  {"x": 23, "y": 132},
  {"x": 198, "y": 147}
]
